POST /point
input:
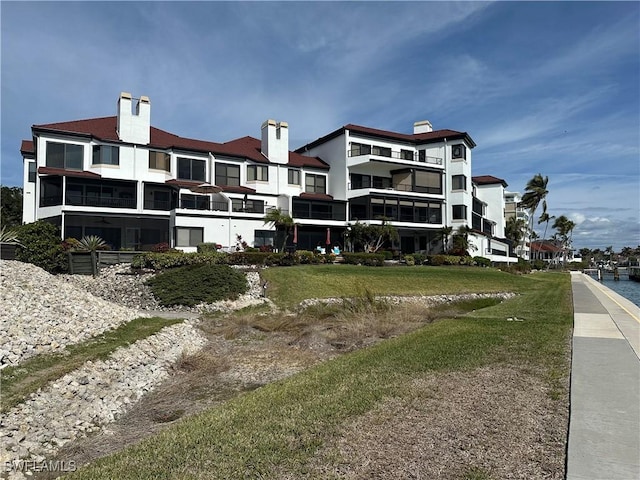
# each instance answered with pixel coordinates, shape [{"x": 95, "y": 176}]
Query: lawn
[
  {"x": 288, "y": 286},
  {"x": 277, "y": 430}
]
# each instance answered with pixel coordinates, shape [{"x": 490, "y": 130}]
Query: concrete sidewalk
[{"x": 604, "y": 423}]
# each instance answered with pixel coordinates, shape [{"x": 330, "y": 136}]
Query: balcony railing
[
  {"x": 410, "y": 157},
  {"x": 100, "y": 201},
  {"x": 204, "y": 205},
  {"x": 164, "y": 205},
  {"x": 399, "y": 188}
]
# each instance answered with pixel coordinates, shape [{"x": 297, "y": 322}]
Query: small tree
[
  {"x": 10, "y": 206},
  {"x": 370, "y": 238},
  {"x": 461, "y": 244},
  {"x": 444, "y": 236}
]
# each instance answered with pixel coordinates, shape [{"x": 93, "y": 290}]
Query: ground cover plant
[
  {"x": 301, "y": 427},
  {"x": 194, "y": 284},
  {"x": 17, "y": 382}
]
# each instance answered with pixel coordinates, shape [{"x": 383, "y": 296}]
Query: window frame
[
  {"x": 464, "y": 210},
  {"x": 257, "y": 173},
  {"x": 32, "y": 172},
  {"x": 457, "y": 187},
  {"x": 66, "y": 161},
  {"x": 295, "y": 173},
  {"x": 191, "y": 230},
  {"x": 101, "y": 150},
  {"x": 153, "y": 154},
  {"x": 459, "y": 151},
  {"x": 223, "y": 179},
  {"x": 192, "y": 162},
  {"x": 314, "y": 184}
]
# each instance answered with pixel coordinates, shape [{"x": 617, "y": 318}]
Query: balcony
[
  {"x": 99, "y": 201},
  {"x": 203, "y": 203},
  {"x": 360, "y": 156}
]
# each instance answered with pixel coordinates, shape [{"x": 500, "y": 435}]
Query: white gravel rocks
[
  {"x": 40, "y": 312},
  {"x": 426, "y": 300},
  {"x": 93, "y": 395}
]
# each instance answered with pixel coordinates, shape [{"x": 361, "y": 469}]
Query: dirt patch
[{"x": 490, "y": 423}]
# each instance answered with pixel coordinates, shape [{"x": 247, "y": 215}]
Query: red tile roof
[
  {"x": 417, "y": 139},
  {"x": 67, "y": 173},
  {"x": 27, "y": 147},
  {"x": 316, "y": 196},
  {"x": 104, "y": 129},
  {"x": 488, "y": 180}
]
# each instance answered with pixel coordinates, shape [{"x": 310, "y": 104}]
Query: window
[
  {"x": 459, "y": 182},
  {"x": 381, "y": 182},
  {"x": 428, "y": 182},
  {"x": 227, "y": 174},
  {"x": 315, "y": 183},
  {"x": 191, "y": 169},
  {"x": 459, "y": 212},
  {"x": 360, "y": 181},
  {"x": 32, "y": 172},
  {"x": 381, "y": 151},
  {"x": 159, "y": 161},
  {"x": 459, "y": 151},
  {"x": 257, "y": 172},
  {"x": 263, "y": 238},
  {"x": 293, "y": 177},
  {"x": 248, "y": 206},
  {"x": 360, "y": 149},
  {"x": 406, "y": 155},
  {"x": 422, "y": 155},
  {"x": 106, "y": 155},
  {"x": 194, "y": 202},
  {"x": 189, "y": 236},
  {"x": 65, "y": 155}
]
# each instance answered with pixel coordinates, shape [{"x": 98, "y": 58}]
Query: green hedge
[
  {"x": 194, "y": 284},
  {"x": 438, "y": 260},
  {"x": 482, "y": 261},
  {"x": 368, "y": 259},
  {"x": 161, "y": 261}
]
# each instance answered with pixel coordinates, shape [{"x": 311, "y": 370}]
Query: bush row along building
[{"x": 135, "y": 185}]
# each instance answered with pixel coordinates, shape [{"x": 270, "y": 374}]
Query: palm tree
[
  {"x": 535, "y": 193},
  {"x": 281, "y": 221},
  {"x": 461, "y": 244},
  {"x": 545, "y": 217},
  {"x": 514, "y": 230},
  {"x": 444, "y": 235},
  {"x": 565, "y": 228}
]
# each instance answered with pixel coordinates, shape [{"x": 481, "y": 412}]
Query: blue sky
[{"x": 542, "y": 87}]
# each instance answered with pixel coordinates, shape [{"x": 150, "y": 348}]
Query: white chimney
[
  {"x": 134, "y": 127},
  {"x": 423, "y": 126},
  {"x": 275, "y": 141}
]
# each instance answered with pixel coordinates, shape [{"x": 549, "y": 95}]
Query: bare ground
[{"x": 490, "y": 423}]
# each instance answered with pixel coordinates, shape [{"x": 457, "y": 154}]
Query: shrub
[
  {"x": 409, "y": 260},
  {"x": 388, "y": 254},
  {"x": 438, "y": 260},
  {"x": 161, "y": 247},
  {"x": 482, "y": 261},
  {"x": 368, "y": 259},
  {"x": 173, "y": 259},
  {"x": 419, "y": 258},
  {"x": 305, "y": 257},
  {"x": 194, "y": 284},
  {"x": 40, "y": 245}
]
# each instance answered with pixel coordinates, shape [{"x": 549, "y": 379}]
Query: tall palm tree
[
  {"x": 281, "y": 221},
  {"x": 545, "y": 217},
  {"x": 535, "y": 193}
]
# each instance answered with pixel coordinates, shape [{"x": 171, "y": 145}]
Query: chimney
[
  {"x": 275, "y": 141},
  {"x": 134, "y": 127},
  {"x": 423, "y": 126}
]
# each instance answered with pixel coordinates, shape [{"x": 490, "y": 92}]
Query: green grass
[
  {"x": 288, "y": 286},
  {"x": 278, "y": 428},
  {"x": 16, "y": 383}
]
